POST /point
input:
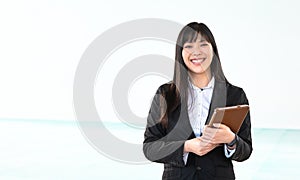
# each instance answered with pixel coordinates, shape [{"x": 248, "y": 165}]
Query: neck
[{"x": 200, "y": 80}]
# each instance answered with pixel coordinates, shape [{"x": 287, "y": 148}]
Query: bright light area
[{"x": 41, "y": 44}]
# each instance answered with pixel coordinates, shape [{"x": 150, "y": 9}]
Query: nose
[{"x": 196, "y": 51}]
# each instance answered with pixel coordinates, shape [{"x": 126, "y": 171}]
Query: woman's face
[{"x": 197, "y": 56}]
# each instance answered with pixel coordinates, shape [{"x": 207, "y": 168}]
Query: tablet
[{"x": 232, "y": 116}]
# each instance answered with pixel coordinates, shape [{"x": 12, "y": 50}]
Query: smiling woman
[
  {"x": 198, "y": 56},
  {"x": 177, "y": 133}
]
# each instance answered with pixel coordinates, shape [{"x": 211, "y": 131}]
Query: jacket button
[{"x": 198, "y": 168}]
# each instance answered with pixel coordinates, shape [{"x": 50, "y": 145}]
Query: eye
[
  {"x": 205, "y": 44},
  {"x": 188, "y": 46}
]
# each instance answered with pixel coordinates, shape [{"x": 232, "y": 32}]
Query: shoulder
[
  {"x": 234, "y": 92},
  {"x": 233, "y": 88}
]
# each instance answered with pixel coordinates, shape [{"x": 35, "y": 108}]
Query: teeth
[{"x": 197, "y": 60}]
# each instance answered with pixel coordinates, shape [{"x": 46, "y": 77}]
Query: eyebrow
[{"x": 203, "y": 40}]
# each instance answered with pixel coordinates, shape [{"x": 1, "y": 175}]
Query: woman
[{"x": 177, "y": 133}]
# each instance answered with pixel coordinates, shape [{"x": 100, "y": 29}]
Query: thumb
[{"x": 217, "y": 125}]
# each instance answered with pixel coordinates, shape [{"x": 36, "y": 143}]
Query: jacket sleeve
[
  {"x": 244, "y": 140},
  {"x": 157, "y": 146}
]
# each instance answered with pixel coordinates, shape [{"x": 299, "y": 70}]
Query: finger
[
  {"x": 206, "y": 138},
  {"x": 215, "y": 141},
  {"x": 223, "y": 126},
  {"x": 216, "y": 125},
  {"x": 211, "y": 130},
  {"x": 204, "y": 143}
]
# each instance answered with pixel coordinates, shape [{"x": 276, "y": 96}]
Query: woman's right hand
[{"x": 198, "y": 146}]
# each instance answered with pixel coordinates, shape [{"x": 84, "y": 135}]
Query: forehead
[
  {"x": 200, "y": 38},
  {"x": 195, "y": 37}
]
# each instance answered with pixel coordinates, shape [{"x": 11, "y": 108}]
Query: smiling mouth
[{"x": 198, "y": 61}]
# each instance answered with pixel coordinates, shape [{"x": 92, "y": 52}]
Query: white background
[{"x": 41, "y": 43}]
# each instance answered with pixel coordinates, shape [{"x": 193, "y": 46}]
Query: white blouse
[{"x": 199, "y": 100}]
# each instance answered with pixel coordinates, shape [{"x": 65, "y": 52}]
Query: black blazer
[{"x": 165, "y": 145}]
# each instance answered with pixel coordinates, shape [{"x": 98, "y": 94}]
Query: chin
[{"x": 199, "y": 71}]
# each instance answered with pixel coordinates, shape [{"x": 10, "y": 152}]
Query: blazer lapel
[{"x": 218, "y": 98}]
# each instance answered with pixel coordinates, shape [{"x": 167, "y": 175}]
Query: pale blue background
[{"x": 41, "y": 44}]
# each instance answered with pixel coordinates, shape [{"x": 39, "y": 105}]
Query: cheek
[
  {"x": 185, "y": 55},
  {"x": 211, "y": 52}
]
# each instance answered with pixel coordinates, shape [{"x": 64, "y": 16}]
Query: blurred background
[{"x": 41, "y": 43}]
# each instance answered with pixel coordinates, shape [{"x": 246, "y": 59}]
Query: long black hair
[{"x": 178, "y": 90}]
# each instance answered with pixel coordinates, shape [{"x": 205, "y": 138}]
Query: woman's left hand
[{"x": 222, "y": 134}]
